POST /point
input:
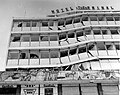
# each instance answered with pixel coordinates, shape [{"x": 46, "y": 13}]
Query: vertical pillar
[
  {"x": 18, "y": 91},
  {"x": 99, "y": 89},
  {"x": 55, "y": 91},
  {"x": 41, "y": 89},
  {"x": 59, "y": 89},
  {"x": 80, "y": 92}
]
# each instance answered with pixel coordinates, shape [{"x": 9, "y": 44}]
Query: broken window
[
  {"x": 48, "y": 91},
  {"x": 109, "y": 18},
  {"x": 104, "y": 32},
  {"x": 91, "y": 46},
  {"x": 117, "y": 45},
  {"x": 76, "y": 20},
  {"x": 73, "y": 51},
  {"x": 62, "y": 36},
  {"x": 13, "y": 54},
  {"x": 71, "y": 35},
  {"x": 44, "y": 54},
  {"x": 34, "y": 23},
  {"x": 17, "y": 24},
  {"x": 109, "y": 45},
  {"x": 53, "y": 37},
  {"x": 101, "y": 18},
  {"x": 45, "y": 24},
  {"x": 54, "y": 54},
  {"x": 51, "y": 23},
  {"x": 24, "y": 54},
  {"x": 68, "y": 21},
  {"x": 60, "y": 23},
  {"x": 84, "y": 18},
  {"x": 114, "y": 31},
  {"x": 44, "y": 38},
  {"x": 34, "y": 38},
  {"x": 15, "y": 38},
  {"x": 79, "y": 33},
  {"x": 34, "y": 54},
  {"x": 93, "y": 18},
  {"x": 26, "y": 23},
  {"x": 97, "y": 32},
  {"x": 100, "y": 45},
  {"x": 25, "y": 38},
  {"x": 63, "y": 53},
  {"x": 82, "y": 49},
  {"x": 88, "y": 32},
  {"x": 117, "y": 18}
]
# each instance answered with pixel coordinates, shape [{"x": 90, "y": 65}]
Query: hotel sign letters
[{"x": 62, "y": 10}]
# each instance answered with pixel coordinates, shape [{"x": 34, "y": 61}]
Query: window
[
  {"x": 44, "y": 38},
  {"x": 104, "y": 32},
  {"x": 20, "y": 24},
  {"x": 88, "y": 32},
  {"x": 109, "y": 46},
  {"x": 26, "y": 23},
  {"x": 34, "y": 54},
  {"x": 63, "y": 53},
  {"x": 34, "y": 38},
  {"x": 109, "y": 18},
  {"x": 13, "y": 54},
  {"x": 51, "y": 23},
  {"x": 96, "y": 32},
  {"x": 24, "y": 54},
  {"x": 84, "y": 18},
  {"x": 76, "y": 20},
  {"x": 25, "y": 38},
  {"x": 54, "y": 54},
  {"x": 117, "y": 18},
  {"x": 82, "y": 49},
  {"x": 101, "y": 18},
  {"x": 62, "y": 36},
  {"x": 68, "y": 21},
  {"x": 100, "y": 46},
  {"x": 71, "y": 35},
  {"x": 91, "y": 46},
  {"x": 79, "y": 33},
  {"x": 34, "y": 23},
  {"x": 93, "y": 18},
  {"x": 44, "y": 54},
  {"x": 114, "y": 31},
  {"x": 53, "y": 37},
  {"x": 15, "y": 38},
  {"x": 60, "y": 23},
  {"x": 73, "y": 51},
  {"x": 45, "y": 24},
  {"x": 48, "y": 91},
  {"x": 117, "y": 45}
]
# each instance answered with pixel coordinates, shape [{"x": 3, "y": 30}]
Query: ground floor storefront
[{"x": 84, "y": 87}]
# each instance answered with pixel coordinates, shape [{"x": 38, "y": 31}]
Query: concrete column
[
  {"x": 41, "y": 89},
  {"x": 55, "y": 91},
  {"x": 18, "y": 91},
  {"x": 59, "y": 89}
]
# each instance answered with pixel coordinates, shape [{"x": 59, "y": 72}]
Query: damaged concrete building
[{"x": 69, "y": 53}]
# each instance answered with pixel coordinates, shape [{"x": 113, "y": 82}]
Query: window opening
[
  {"x": 44, "y": 38},
  {"x": 73, "y": 51},
  {"x": 44, "y": 54},
  {"x": 45, "y": 24},
  {"x": 54, "y": 54},
  {"x": 63, "y": 53}
]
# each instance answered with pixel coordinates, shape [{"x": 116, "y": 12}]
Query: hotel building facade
[{"x": 69, "y": 53}]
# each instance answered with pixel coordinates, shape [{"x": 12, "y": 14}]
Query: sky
[{"x": 35, "y": 8}]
